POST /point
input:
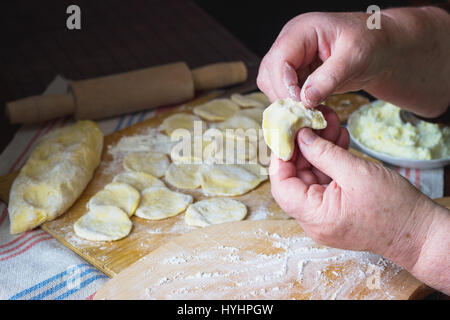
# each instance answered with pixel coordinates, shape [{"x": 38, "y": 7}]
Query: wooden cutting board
[
  {"x": 259, "y": 260},
  {"x": 146, "y": 236}
]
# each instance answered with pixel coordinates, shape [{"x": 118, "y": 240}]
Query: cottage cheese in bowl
[{"x": 378, "y": 127}]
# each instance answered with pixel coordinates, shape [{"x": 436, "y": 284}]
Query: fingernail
[
  {"x": 307, "y": 137},
  {"x": 312, "y": 96},
  {"x": 294, "y": 92}
]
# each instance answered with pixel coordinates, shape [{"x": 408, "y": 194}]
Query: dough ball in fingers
[{"x": 281, "y": 122}]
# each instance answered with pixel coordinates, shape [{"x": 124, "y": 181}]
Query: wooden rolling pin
[{"x": 127, "y": 92}]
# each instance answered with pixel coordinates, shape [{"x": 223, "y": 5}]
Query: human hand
[
  {"x": 365, "y": 206},
  {"x": 405, "y": 62}
]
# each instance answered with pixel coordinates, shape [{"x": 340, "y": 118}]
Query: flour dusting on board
[
  {"x": 261, "y": 214},
  {"x": 299, "y": 269},
  {"x": 150, "y": 140}
]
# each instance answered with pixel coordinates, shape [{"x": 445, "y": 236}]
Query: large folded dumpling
[{"x": 56, "y": 173}]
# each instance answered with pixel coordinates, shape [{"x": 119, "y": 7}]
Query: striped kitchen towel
[{"x": 34, "y": 265}]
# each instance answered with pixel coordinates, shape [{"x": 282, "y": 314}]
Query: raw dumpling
[
  {"x": 217, "y": 110},
  {"x": 138, "y": 180},
  {"x": 119, "y": 195},
  {"x": 183, "y": 121},
  {"x": 184, "y": 175},
  {"x": 253, "y": 113},
  {"x": 153, "y": 163},
  {"x": 240, "y": 126},
  {"x": 259, "y": 96},
  {"x": 103, "y": 223},
  {"x": 191, "y": 150},
  {"x": 150, "y": 141},
  {"x": 231, "y": 179},
  {"x": 235, "y": 151},
  {"x": 281, "y": 122},
  {"x": 160, "y": 203},
  {"x": 214, "y": 211}
]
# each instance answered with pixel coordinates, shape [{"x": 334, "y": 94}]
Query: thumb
[
  {"x": 332, "y": 160},
  {"x": 327, "y": 78}
]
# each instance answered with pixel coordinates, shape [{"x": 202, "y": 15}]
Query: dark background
[{"x": 34, "y": 40}]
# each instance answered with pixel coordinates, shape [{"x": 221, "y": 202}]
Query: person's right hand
[
  {"x": 366, "y": 206},
  {"x": 405, "y": 62}
]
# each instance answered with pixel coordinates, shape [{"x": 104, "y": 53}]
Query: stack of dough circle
[
  {"x": 120, "y": 195},
  {"x": 103, "y": 223},
  {"x": 191, "y": 149},
  {"x": 239, "y": 127},
  {"x": 153, "y": 163},
  {"x": 238, "y": 121},
  {"x": 231, "y": 179},
  {"x": 264, "y": 153},
  {"x": 235, "y": 151},
  {"x": 152, "y": 140},
  {"x": 138, "y": 180},
  {"x": 182, "y": 121},
  {"x": 245, "y": 101},
  {"x": 183, "y": 175},
  {"x": 217, "y": 110},
  {"x": 199, "y": 159},
  {"x": 253, "y": 113},
  {"x": 214, "y": 211},
  {"x": 259, "y": 96},
  {"x": 160, "y": 203}
]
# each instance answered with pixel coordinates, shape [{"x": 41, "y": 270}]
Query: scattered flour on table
[
  {"x": 150, "y": 140},
  {"x": 299, "y": 267},
  {"x": 260, "y": 214}
]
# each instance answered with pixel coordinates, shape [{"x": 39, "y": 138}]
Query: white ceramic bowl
[{"x": 401, "y": 162}]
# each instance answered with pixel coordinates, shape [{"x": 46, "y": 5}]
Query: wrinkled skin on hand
[
  {"x": 343, "y": 201},
  {"x": 339, "y": 199},
  {"x": 405, "y": 62}
]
